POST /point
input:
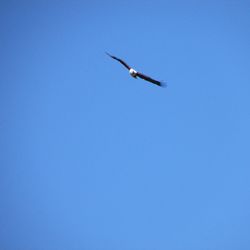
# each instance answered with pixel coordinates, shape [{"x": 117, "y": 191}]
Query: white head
[{"x": 132, "y": 72}]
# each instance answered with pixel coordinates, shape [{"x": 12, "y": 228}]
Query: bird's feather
[
  {"x": 119, "y": 60},
  {"x": 149, "y": 79}
]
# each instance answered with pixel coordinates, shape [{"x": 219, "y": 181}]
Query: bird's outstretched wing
[
  {"x": 119, "y": 60},
  {"x": 149, "y": 79}
]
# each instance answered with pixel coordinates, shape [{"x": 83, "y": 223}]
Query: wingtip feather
[
  {"x": 107, "y": 53},
  {"x": 163, "y": 84}
]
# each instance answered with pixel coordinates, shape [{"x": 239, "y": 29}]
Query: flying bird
[{"x": 135, "y": 73}]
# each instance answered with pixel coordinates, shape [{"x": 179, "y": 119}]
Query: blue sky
[{"x": 94, "y": 159}]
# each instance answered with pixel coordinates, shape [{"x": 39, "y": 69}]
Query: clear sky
[{"x": 92, "y": 159}]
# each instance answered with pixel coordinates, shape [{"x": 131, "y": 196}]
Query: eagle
[{"x": 135, "y": 73}]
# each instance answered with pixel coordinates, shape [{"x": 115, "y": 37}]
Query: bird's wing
[
  {"x": 147, "y": 78},
  {"x": 119, "y": 60}
]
